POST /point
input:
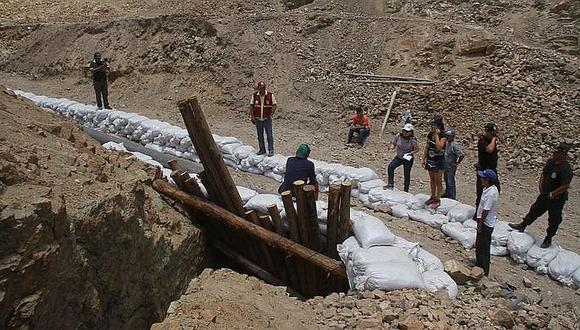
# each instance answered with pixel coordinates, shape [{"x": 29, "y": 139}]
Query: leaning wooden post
[
  {"x": 345, "y": 226},
  {"x": 301, "y": 212},
  {"x": 210, "y": 156},
  {"x": 291, "y": 216},
  {"x": 388, "y": 113},
  {"x": 332, "y": 221},
  {"x": 312, "y": 218}
]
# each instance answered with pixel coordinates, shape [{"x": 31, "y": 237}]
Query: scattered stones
[
  {"x": 503, "y": 318},
  {"x": 458, "y": 272},
  {"x": 527, "y": 282}
]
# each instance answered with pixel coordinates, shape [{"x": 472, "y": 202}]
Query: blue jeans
[
  {"x": 407, "y": 165},
  {"x": 362, "y": 134},
  {"x": 266, "y": 125},
  {"x": 450, "y": 187}
]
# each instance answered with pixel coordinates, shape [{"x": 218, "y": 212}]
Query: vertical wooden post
[
  {"x": 301, "y": 212},
  {"x": 193, "y": 188},
  {"x": 176, "y": 176},
  {"x": 332, "y": 221},
  {"x": 345, "y": 226},
  {"x": 210, "y": 157},
  {"x": 312, "y": 218},
  {"x": 276, "y": 220},
  {"x": 265, "y": 222},
  {"x": 291, "y": 216},
  {"x": 266, "y": 259}
]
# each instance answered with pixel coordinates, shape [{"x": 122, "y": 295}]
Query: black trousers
[
  {"x": 554, "y": 208},
  {"x": 482, "y": 247},
  {"x": 479, "y": 187},
  {"x": 102, "y": 93}
]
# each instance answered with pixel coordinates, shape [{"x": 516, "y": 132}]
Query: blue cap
[
  {"x": 450, "y": 132},
  {"x": 488, "y": 174}
]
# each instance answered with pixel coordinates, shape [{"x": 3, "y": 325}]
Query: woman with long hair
[{"x": 434, "y": 159}]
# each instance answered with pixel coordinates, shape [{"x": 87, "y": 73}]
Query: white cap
[{"x": 408, "y": 127}]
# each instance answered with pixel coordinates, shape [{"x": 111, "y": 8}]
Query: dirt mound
[{"x": 83, "y": 235}]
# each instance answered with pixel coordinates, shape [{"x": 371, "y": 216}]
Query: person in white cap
[{"x": 405, "y": 145}]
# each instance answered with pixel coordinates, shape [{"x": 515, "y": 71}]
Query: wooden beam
[
  {"x": 332, "y": 221},
  {"x": 214, "y": 212},
  {"x": 210, "y": 156},
  {"x": 396, "y": 82},
  {"x": 276, "y": 220},
  {"x": 291, "y": 216},
  {"x": 262, "y": 251},
  {"x": 385, "y": 76},
  {"x": 312, "y": 219},
  {"x": 388, "y": 113},
  {"x": 345, "y": 226}
]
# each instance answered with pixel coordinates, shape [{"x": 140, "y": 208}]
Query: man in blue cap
[
  {"x": 299, "y": 168},
  {"x": 554, "y": 183},
  {"x": 486, "y": 217},
  {"x": 453, "y": 156}
]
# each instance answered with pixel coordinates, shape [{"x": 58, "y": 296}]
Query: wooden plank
[
  {"x": 332, "y": 221},
  {"x": 385, "y": 76},
  {"x": 276, "y": 220},
  {"x": 396, "y": 82},
  {"x": 301, "y": 212},
  {"x": 312, "y": 219},
  {"x": 210, "y": 156},
  {"x": 217, "y": 213},
  {"x": 291, "y": 216},
  {"x": 344, "y": 218},
  {"x": 388, "y": 113}
]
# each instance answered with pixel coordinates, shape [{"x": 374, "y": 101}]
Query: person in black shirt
[
  {"x": 99, "y": 68},
  {"x": 554, "y": 183},
  {"x": 434, "y": 159},
  {"x": 487, "y": 156},
  {"x": 299, "y": 168}
]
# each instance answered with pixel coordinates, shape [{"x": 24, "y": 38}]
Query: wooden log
[
  {"x": 173, "y": 164},
  {"x": 265, "y": 222},
  {"x": 301, "y": 212},
  {"x": 245, "y": 263},
  {"x": 176, "y": 176},
  {"x": 345, "y": 226},
  {"x": 263, "y": 253},
  {"x": 215, "y": 212},
  {"x": 210, "y": 156},
  {"x": 396, "y": 82},
  {"x": 385, "y": 76},
  {"x": 312, "y": 219},
  {"x": 332, "y": 221},
  {"x": 291, "y": 216},
  {"x": 388, "y": 112},
  {"x": 212, "y": 191},
  {"x": 192, "y": 187},
  {"x": 276, "y": 220}
]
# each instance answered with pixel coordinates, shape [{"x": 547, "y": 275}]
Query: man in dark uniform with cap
[
  {"x": 99, "y": 68},
  {"x": 554, "y": 183},
  {"x": 487, "y": 156}
]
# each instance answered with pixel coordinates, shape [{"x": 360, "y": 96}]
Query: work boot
[
  {"x": 518, "y": 226},
  {"x": 546, "y": 243},
  {"x": 270, "y": 153},
  {"x": 260, "y": 152}
]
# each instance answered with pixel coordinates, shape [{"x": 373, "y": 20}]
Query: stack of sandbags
[
  {"x": 563, "y": 268},
  {"x": 464, "y": 234},
  {"x": 519, "y": 244}
]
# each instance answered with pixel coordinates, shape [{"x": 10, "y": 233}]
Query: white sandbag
[
  {"x": 246, "y": 193},
  {"x": 244, "y": 152},
  {"x": 230, "y": 149},
  {"x": 153, "y": 162},
  {"x": 370, "y": 231},
  {"x": 354, "y": 192},
  {"x": 269, "y": 163},
  {"x": 362, "y": 174},
  {"x": 223, "y": 140},
  {"x": 261, "y": 202},
  {"x": 400, "y": 211},
  {"x": 470, "y": 224},
  {"x": 426, "y": 261},
  {"x": 392, "y": 197},
  {"x": 114, "y": 146},
  {"x": 363, "y": 258},
  {"x": 335, "y": 179},
  {"x": 437, "y": 279},
  {"x": 274, "y": 176},
  {"x": 539, "y": 258},
  {"x": 563, "y": 267},
  {"x": 141, "y": 156},
  {"x": 497, "y": 250},
  {"x": 417, "y": 202},
  {"x": 461, "y": 213},
  {"x": 412, "y": 248},
  {"x": 254, "y": 160},
  {"x": 519, "y": 244},
  {"x": 252, "y": 169},
  {"x": 434, "y": 220},
  {"x": 465, "y": 236},
  {"x": 366, "y": 186},
  {"x": 390, "y": 276},
  {"x": 445, "y": 205},
  {"x": 347, "y": 248},
  {"x": 501, "y": 233},
  {"x": 577, "y": 278},
  {"x": 322, "y": 211}
]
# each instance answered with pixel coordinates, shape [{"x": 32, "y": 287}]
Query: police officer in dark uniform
[
  {"x": 487, "y": 156},
  {"x": 554, "y": 183},
  {"x": 99, "y": 68}
]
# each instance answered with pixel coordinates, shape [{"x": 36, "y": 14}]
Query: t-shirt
[
  {"x": 556, "y": 175},
  {"x": 452, "y": 153},
  {"x": 486, "y": 160},
  {"x": 432, "y": 152},
  {"x": 364, "y": 121},
  {"x": 403, "y": 145},
  {"x": 489, "y": 201},
  {"x": 100, "y": 75},
  {"x": 297, "y": 169}
]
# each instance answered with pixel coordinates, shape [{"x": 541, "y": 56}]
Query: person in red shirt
[{"x": 359, "y": 123}]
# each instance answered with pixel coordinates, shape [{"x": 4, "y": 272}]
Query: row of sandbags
[
  {"x": 174, "y": 140},
  {"x": 455, "y": 220}
]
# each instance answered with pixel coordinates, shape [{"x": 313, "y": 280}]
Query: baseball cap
[
  {"x": 563, "y": 147},
  {"x": 303, "y": 151},
  {"x": 437, "y": 119},
  {"x": 261, "y": 84},
  {"x": 490, "y": 127},
  {"x": 450, "y": 132},
  {"x": 488, "y": 174},
  {"x": 408, "y": 127}
]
